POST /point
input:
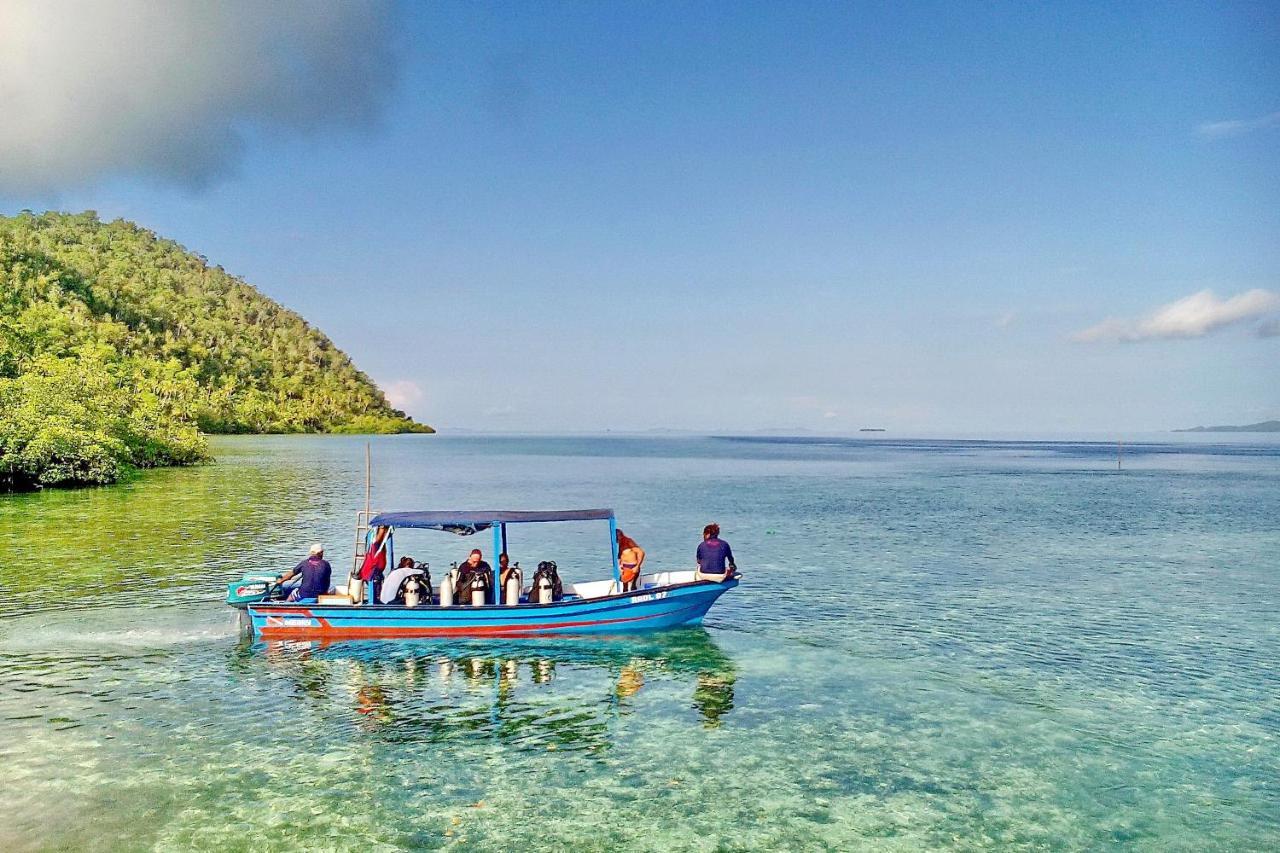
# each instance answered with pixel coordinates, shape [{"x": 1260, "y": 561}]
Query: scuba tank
[
  {"x": 446, "y": 586},
  {"x": 514, "y": 583},
  {"x": 412, "y": 591},
  {"x": 541, "y": 592},
  {"x": 479, "y": 588},
  {"x": 355, "y": 588},
  {"x": 546, "y": 584},
  {"x": 418, "y": 583}
]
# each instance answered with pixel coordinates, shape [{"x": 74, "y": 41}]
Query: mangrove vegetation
[{"x": 119, "y": 350}]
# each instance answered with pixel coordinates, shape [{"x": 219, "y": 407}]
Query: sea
[{"x": 979, "y": 644}]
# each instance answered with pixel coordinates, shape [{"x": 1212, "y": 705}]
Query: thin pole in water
[
  {"x": 368, "y": 481},
  {"x": 1120, "y": 455}
]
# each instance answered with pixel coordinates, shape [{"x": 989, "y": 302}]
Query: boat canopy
[{"x": 467, "y": 522}]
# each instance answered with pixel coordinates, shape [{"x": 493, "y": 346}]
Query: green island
[{"x": 120, "y": 350}]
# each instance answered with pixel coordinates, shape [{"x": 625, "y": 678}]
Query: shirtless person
[
  {"x": 504, "y": 570},
  {"x": 630, "y": 561}
]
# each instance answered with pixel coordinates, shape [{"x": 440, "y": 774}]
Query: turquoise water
[{"x": 945, "y": 645}]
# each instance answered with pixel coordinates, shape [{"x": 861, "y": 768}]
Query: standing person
[
  {"x": 714, "y": 554},
  {"x": 316, "y": 573},
  {"x": 630, "y": 559},
  {"x": 375, "y": 559}
]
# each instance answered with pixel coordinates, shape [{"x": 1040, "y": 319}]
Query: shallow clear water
[{"x": 938, "y": 645}]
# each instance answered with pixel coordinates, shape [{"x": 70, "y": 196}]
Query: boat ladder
[{"x": 362, "y": 530}]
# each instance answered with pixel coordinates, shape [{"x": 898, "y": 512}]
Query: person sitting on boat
[
  {"x": 316, "y": 573},
  {"x": 391, "y": 588},
  {"x": 475, "y": 565},
  {"x": 630, "y": 561},
  {"x": 715, "y": 557},
  {"x": 504, "y": 570}
]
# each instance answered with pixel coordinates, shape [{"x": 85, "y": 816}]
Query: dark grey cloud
[{"x": 170, "y": 90}]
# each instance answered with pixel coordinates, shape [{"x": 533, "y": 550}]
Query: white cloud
[
  {"x": 1006, "y": 319},
  {"x": 403, "y": 393},
  {"x": 1190, "y": 317},
  {"x": 1237, "y": 127},
  {"x": 168, "y": 89}
]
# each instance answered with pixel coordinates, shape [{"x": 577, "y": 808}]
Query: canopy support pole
[
  {"x": 613, "y": 550},
  {"x": 498, "y": 530},
  {"x": 501, "y": 594}
]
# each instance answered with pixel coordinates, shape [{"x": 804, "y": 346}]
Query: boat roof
[{"x": 470, "y": 521}]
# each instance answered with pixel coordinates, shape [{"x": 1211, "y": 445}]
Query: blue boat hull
[{"x": 645, "y": 610}]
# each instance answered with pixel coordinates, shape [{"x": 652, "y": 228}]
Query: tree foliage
[{"x": 118, "y": 348}]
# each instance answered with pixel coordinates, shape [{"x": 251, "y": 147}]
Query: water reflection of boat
[
  {"x": 523, "y": 692},
  {"x": 664, "y": 599}
]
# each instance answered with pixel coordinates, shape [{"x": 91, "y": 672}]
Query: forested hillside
[{"x": 118, "y": 349}]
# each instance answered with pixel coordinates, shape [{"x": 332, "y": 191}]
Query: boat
[{"x": 662, "y": 599}]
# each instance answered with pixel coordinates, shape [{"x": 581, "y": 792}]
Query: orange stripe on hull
[{"x": 326, "y": 630}]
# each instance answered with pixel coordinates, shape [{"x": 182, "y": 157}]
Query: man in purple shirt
[
  {"x": 715, "y": 557},
  {"x": 316, "y": 574}
]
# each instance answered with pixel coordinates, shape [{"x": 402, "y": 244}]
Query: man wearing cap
[{"x": 316, "y": 573}]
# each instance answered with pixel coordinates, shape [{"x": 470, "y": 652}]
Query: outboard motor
[
  {"x": 252, "y": 589},
  {"x": 512, "y": 591},
  {"x": 546, "y": 584}
]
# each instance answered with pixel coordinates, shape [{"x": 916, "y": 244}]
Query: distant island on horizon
[{"x": 1262, "y": 426}]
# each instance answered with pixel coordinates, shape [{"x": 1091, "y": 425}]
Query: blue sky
[{"x": 925, "y": 217}]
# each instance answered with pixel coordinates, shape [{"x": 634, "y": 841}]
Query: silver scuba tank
[
  {"x": 412, "y": 591},
  {"x": 543, "y": 591},
  {"x": 514, "y": 583},
  {"x": 446, "y": 587},
  {"x": 477, "y": 590}
]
